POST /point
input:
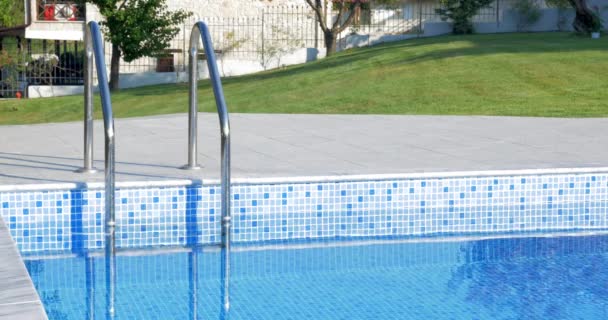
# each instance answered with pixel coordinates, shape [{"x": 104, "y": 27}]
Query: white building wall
[
  {"x": 52, "y": 30},
  {"x": 213, "y": 8},
  {"x": 228, "y": 8}
]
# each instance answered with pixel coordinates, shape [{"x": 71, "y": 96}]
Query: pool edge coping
[
  {"x": 24, "y": 300},
  {"x": 304, "y": 179}
]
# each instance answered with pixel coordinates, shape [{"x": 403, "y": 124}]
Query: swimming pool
[
  {"x": 508, "y": 278},
  {"x": 347, "y": 247}
]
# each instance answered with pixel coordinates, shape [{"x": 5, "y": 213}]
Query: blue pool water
[{"x": 515, "y": 278}]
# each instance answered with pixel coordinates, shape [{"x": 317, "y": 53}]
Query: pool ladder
[
  {"x": 201, "y": 30},
  {"x": 94, "y": 51}
]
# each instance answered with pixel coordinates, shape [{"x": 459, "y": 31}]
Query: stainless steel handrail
[
  {"x": 94, "y": 49},
  {"x": 88, "y": 114},
  {"x": 193, "y": 98},
  {"x": 200, "y": 30}
]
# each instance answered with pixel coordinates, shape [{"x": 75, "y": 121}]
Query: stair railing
[
  {"x": 94, "y": 51},
  {"x": 201, "y": 31}
]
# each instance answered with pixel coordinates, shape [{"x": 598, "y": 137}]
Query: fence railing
[
  {"x": 263, "y": 39},
  {"x": 279, "y": 30},
  {"x": 409, "y": 17},
  {"x": 274, "y": 31},
  {"x": 11, "y": 72},
  {"x": 39, "y": 62},
  {"x": 54, "y": 62},
  {"x": 60, "y": 10}
]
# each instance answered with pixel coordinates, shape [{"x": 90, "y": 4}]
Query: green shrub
[
  {"x": 461, "y": 13},
  {"x": 528, "y": 11},
  {"x": 12, "y": 13},
  {"x": 560, "y": 4},
  {"x": 598, "y": 23}
]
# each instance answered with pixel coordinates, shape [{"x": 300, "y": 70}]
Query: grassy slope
[{"x": 547, "y": 74}]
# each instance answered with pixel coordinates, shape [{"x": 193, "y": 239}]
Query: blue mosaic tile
[{"x": 175, "y": 216}]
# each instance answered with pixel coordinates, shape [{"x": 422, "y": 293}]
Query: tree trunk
[
  {"x": 330, "y": 42},
  {"x": 584, "y": 20},
  {"x": 115, "y": 69}
]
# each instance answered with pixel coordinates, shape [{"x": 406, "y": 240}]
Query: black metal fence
[
  {"x": 38, "y": 62},
  {"x": 274, "y": 31},
  {"x": 12, "y": 71}
]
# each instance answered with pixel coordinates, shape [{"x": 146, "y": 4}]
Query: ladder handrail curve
[
  {"x": 94, "y": 51},
  {"x": 201, "y": 31}
]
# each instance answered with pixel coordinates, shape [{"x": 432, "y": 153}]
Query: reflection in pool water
[{"x": 515, "y": 278}]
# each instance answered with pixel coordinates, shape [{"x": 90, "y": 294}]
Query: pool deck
[
  {"x": 152, "y": 149},
  {"x": 264, "y": 145},
  {"x": 18, "y": 297}
]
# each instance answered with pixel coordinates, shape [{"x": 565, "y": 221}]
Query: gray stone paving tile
[
  {"x": 18, "y": 297},
  {"x": 271, "y": 145}
]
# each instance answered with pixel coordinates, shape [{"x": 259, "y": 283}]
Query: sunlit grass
[{"x": 542, "y": 74}]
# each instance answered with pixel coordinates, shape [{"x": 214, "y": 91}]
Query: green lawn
[{"x": 543, "y": 74}]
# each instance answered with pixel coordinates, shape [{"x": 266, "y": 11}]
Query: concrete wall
[
  {"x": 227, "y": 8},
  {"x": 52, "y": 30},
  {"x": 213, "y": 8},
  {"x": 552, "y": 19},
  {"x": 227, "y": 67},
  {"x": 53, "y": 91},
  {"x": 56, "y": 30},
  {"x": 356, "y": 40}
]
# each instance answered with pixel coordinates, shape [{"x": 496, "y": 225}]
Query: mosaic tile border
[{"x": 178, "y": 215}]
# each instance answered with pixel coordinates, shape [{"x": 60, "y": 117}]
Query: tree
[
  {"x": 461, "y": 12},
  {"x": 585, "y": 21},
  {"x": 347, "y": 10},
  {"x": 11, "y": 13},
  {"x": 137, "y": 28}
]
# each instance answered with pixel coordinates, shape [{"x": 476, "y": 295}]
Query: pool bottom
[{"x": 510, "y": 278}]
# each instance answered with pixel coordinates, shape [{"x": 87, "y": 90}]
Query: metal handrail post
[
  {"x": 90, "y": 285},
  {"x": 94, "y": 45},
  {"x": 200, "y": 30},
  {"x": 193, "y": 282},
  {"x": 88, "y": 113},
  {"x": 192, "y": 104}
]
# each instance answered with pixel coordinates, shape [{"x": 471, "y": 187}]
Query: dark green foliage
[
  {"x": 12, "y": 13},
  {"x": 528, "y": 12},
  {"x": 561, "y": 4},
  {"x": 598, "y": 24},
  {"x": 461, "y": 12},
  {"x": 139, "y": 27}
]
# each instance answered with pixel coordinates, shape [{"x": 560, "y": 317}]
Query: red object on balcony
[
  {"x": 73, "y": 13},
  {"x": 49, "y": 12}
]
